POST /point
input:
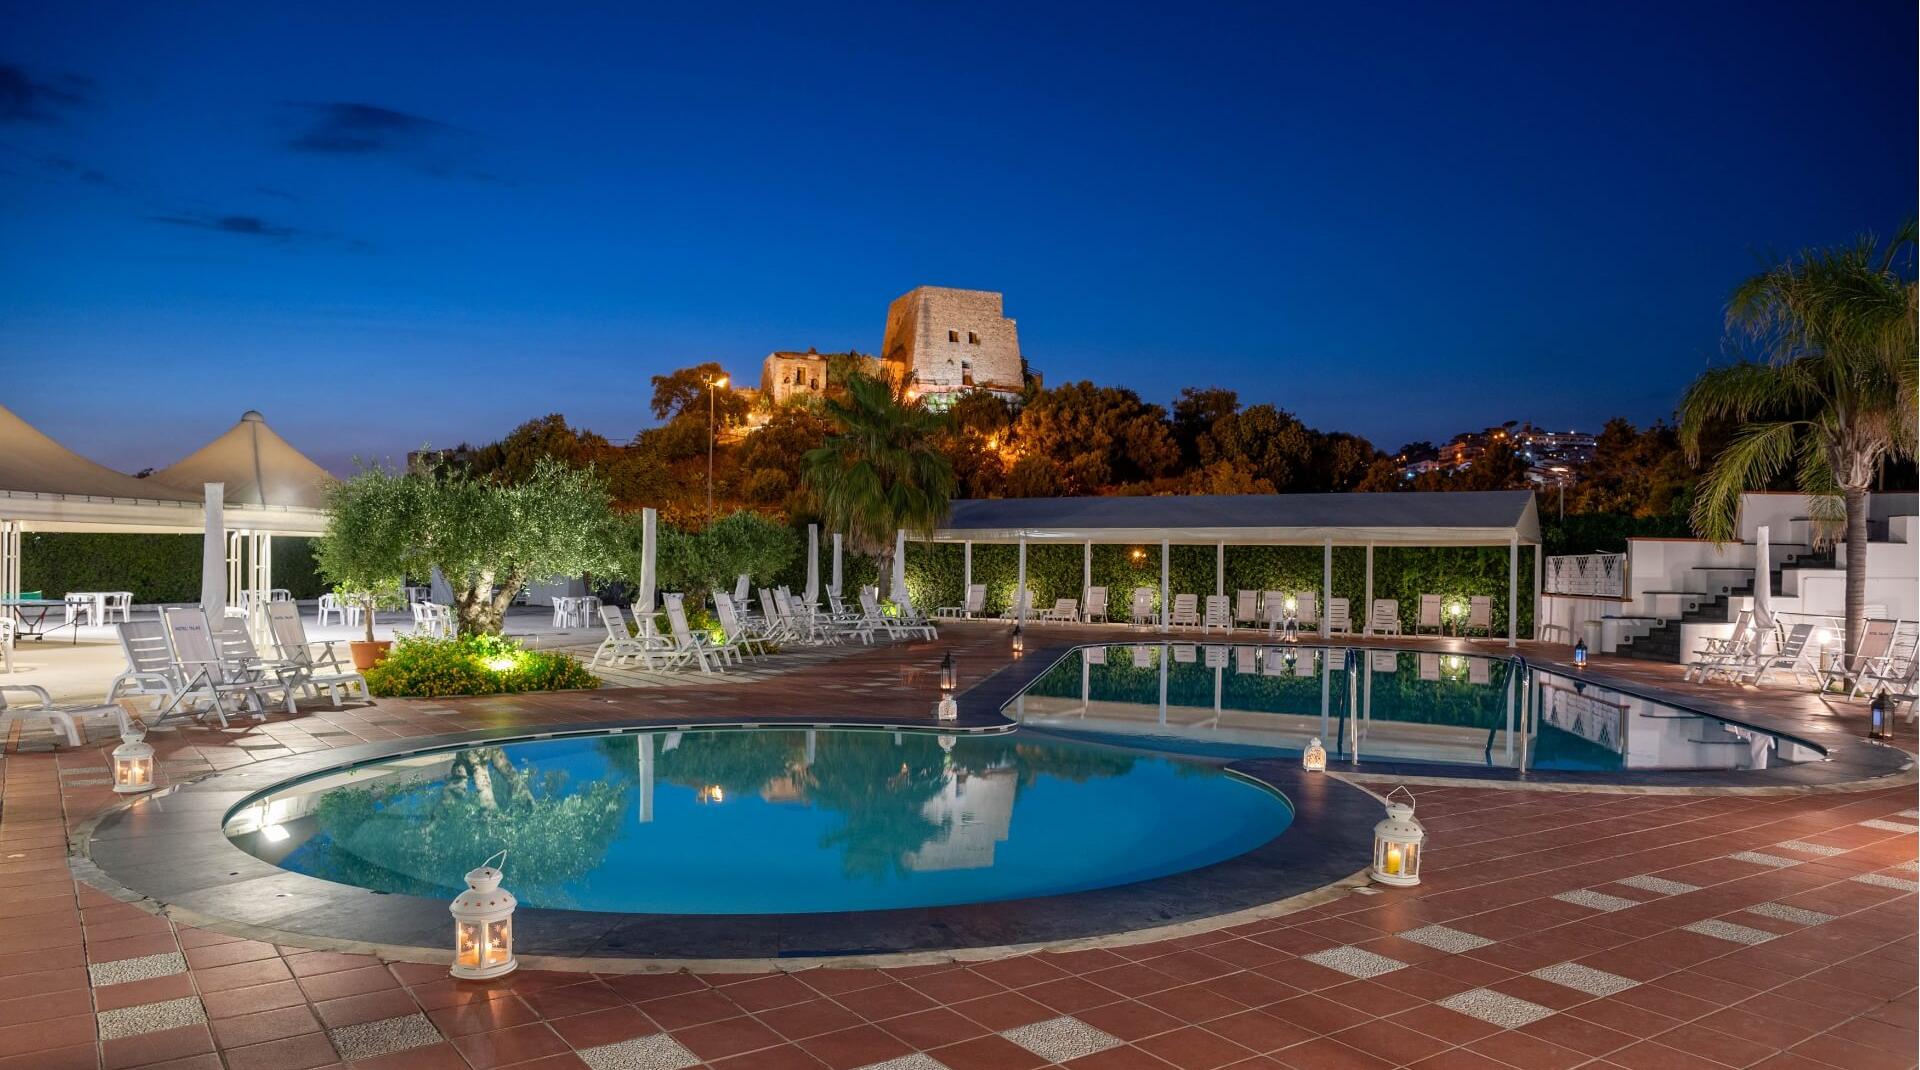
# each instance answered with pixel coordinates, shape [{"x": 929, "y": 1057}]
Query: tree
[
  {"x": 771, "y": 458},
  {"x": 1099, "y": 437},
  {"x": 1196, "y": 412},
  {"x": 684, "y": 393},
  {"x": 368, "y": 541},
  {"x": 513, "y": 458},
  {"x": 1833, "y": 393},
  {"x": 881, "y": 470},
  {"x": 1639, "y": 473}
]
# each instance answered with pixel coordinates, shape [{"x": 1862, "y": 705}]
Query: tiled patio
[{"x": 1554, "y": 929}]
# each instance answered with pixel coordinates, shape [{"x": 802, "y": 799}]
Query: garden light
[
  {"x": 949, "y": 675},
  {"x": 1019, "y": 642},
  {"x": 501, "y": 663},
  {"x": 1877, "y": 727},
  {"x": 1315, "y": 758},
  {"x": 1396, "y": 843},
  {"x": 483, "y": 926},
  {"x": 1580, "y": 654},
  {"x": 133, "y": 762}
]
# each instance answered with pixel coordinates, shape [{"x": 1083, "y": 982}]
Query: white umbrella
[
  {"x": 900, "y": 565},
  {"x": 649, "y": 546},
  {"x": 813, "y": 564},
  {"x": 1762, "y": 578},
  {"x": 213, "y": 554},
  {"x": 834, "y": 587}
]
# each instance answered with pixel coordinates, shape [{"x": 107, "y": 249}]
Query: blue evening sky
[{"x": 386, "y": 226}]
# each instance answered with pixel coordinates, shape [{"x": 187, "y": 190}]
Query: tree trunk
[
  {"x": 473, "y": 604},
  {"x": 1856, "y": 602}
]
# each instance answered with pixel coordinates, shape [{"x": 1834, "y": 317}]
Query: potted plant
[
  {"x": 366, "y": 549},
  {"x": 369, "y": 651}
]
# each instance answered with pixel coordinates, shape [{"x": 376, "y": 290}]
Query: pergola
[
  {"x": 265, "y": 487},
  {"x": 1507, "y": 518}
]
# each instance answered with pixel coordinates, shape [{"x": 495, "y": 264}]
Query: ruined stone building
[
  {"x": 787, "y": 375},
  {"x": 952, "y": 341}
]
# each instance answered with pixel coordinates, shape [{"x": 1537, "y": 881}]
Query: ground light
[
  {"x": 1019, "y": 642},
  {"x": 949, "y": 675},
  {"x": 1314, "y": 760},
  {"x": 1877, "y": 727},
  {"x": 483, "y": 925},
  {"x": 1397, "y": 841},
  {"x": 133, "y": 762},
  {"x": 1580, "y": 654}
]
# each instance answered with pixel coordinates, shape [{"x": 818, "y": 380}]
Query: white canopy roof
[
  {"x": 1405, "y": 518},
  {"x": 258, "y": 467}
]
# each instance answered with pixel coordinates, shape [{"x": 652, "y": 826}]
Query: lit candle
[{"x": 1393, "y": 858}]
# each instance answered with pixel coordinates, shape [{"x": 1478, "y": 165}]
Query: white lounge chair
[
  {"x": 687, "y": 645},
  {"x": 1219, "y": 614},
  {"x": 1479, "y": 615},
  {"x": 735, "y": 628},
  {"x": 1064, "y": 611},
  {"x": 315, "y": 670},
  {"x": 1020, "y": 607},
  {"x": 972, "y": 604},
  {"x": 1096, "y": 608},
  {"x": 6, "y": 642},
  {"x": 1140, "y": 608},
  {"x": 1429, "y": 615},
  {"x": 622, "y": 646},
  {"x": 205, "y": 674},
  {"x": 892, "y": 626},
  {"x": 1791, "y": 653},
  {"x": 234, "y": 641},
  {"x": 1385, "y": 619},
  {"x": 907, "y": 614},
  {"x": 1246, "y": 608},
  {"x": 1718, "y": 653},
  {"x": 1339, "y": 616},
  {"x": 1306, "y": 612},
  {"x": 150, "y": 666},
  {"x": 1273, "y": 610},
  {"x": 1889, "y": 668},
  {"x": 66, "y": 717},
  {"x": 1185, "y": 612}
]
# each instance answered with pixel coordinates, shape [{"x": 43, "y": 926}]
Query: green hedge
[
  {"x": 156, "y": 568},
  {"x": 1054, "y": 570}
]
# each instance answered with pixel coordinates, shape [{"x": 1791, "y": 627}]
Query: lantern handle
[
  {"x": 501, "y": 854},
  {"x": 1388, "y": 797}
]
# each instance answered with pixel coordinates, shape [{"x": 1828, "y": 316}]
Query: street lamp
[{"x": 713, "y": 384}]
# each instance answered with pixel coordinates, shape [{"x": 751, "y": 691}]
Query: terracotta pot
[{"x": 366, "y": 655}]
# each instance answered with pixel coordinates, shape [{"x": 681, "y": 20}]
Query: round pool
[{"x": 764, "y": 821}]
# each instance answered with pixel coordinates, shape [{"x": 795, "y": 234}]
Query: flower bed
[{"x": 473, "y": 665}]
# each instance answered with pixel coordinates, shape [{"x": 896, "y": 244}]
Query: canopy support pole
[
  {"x": 1166, "y": 563},
  {"x": 1220, "y": 569},
  {"x": 1538, "y": 567},
  {"x": 838, "y": 539},
  {"x": 1086, "y": 575},
  {"x": 1326, "y": 585},
  {"x": 1513, "y": 590},
  {"x": 966, "y": 570},
  {"x": 1367, "y": 607},
  {"x": 1020, "y": 588},
  {"x": 9, "y": 558}
]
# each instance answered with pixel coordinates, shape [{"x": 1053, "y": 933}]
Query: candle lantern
[
  {"x": 946, "y": 709},
  {"x": 949, "y": 675},
  {"x": 1877, "y": 727},
  {"x": 133, "y": 762},
  {"x": 1580, "y": 654},
  {"x": 1397, "y": 842},
  {"x": 947, "y": 741},
  {"x": 1315, "y": 758},
  {"x": 1019, "y": 642},
  {"x": 483, "y": 926}
]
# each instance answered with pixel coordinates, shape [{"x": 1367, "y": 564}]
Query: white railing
[{"x": 1589, "y": 575}]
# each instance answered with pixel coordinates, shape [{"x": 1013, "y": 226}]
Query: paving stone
[
  {"x": 1658, "y": 884},
  {"x": 657, "y": 1051},
  {"x": 1805, "y": 848},
  {"x": 1792, "y": 914},
  {"x": 1584, "y": 979},
  {"x": 1890, "y": 826},
  {"x": 1059, "y": 1039},
  {"x": 919, "y": 1060},
  {"x": 1442, "y": 938},
  {"x": 1495, "y": 1008},
  {"x": 1760, "y": 859},
  {"x": 150, "y": 1017},
  {"x": 1353, "y": 961},
  {"x": 144, "y": 968},
  {"x": 1881, "y": 880},
  {"x": 1726, "y": 930},
  {"x": 1592, "y": 900},
  {"x": 383, "y": 1037}
]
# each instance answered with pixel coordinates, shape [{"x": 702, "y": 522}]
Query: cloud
[
  {"x": 80, "y": 172},
  {"x": 344, "y": 128},
  {"x": 24, "y": 98},
  {"x": 245, "y": 225}
]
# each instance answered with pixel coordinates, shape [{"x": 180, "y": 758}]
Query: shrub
[{"x": 423, "y": 667}]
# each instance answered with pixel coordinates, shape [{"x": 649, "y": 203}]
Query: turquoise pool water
[
  {"x": 750, "y": 821},
  {"x": 1370, "y": 705}
]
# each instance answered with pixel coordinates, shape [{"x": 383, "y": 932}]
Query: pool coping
[
  {"x": 167, "y": 853},
  {"x": 1849, "y": 763}
]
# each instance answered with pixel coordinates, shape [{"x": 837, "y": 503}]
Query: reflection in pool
[
  {"x": 742, "y": 821},
  {"x": 1379, "y": 706}
]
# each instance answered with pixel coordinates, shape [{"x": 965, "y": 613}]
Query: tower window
[
  {"x": 973, "y": 339},
  {"x": 953, "y": 336}
]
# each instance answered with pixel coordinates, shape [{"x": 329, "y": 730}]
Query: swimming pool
[
  {"x": 1374, "y": 706},
  {"x": 764, "y": 821}
]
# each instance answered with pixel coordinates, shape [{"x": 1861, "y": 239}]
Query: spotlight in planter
[
  {"x": 1580, "y": 654},
  {"x": 1314, "y": 760},
  {"x": 133, "y": 762},
  {"x": 501, "y": 663},
  {"x": 1397, "y": 842},
  {"x": 949, "y": 675},
  {"x": 1877, "y": 726},
  {"x": 483, "y": 925}
]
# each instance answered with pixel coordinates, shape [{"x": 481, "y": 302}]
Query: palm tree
[
  {"x": 1832, "y": 394},
  {"x": 881, "y": 470}
]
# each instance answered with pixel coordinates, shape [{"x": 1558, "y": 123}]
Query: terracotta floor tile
[
  {"x": 501, "y": 1047},
  {"x": 858, "y": 1046},
  {"x": 155, "y": 1047},
  {"x": 337, "y": 984},
  {"x": 1325, "y": 1053},
  {"x": 933, "y": 1028},
  {"x": 783, "y": 1057},
  {"x": 290, "y": 1053},
  {"x": 812, "y": 1018},
  {"x": 1194, "y": 1048},
  {"x": 604, "y": 1027},
  {"x": 238, "y": 1001},
  {"x": 481, "y": 1015},
  {"x": 29, "y": 1037},
  {"x": 264, "y": 1026}
]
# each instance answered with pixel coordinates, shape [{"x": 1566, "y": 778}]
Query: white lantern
[
  {"x": 133, "y": 762},
  {"x": 483, "y": 926},
  {"x": 1314, "y": 760},
  {"x": 947, "y": 709},
  {"x": 1397, "y": 843}
]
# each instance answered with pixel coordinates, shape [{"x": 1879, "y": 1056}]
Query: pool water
[
  {"x": 749, "y": 821},
  {"x": 1373, "y": 705}
]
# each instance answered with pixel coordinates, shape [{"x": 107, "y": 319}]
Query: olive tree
[{"x": 368, "y": 541}]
